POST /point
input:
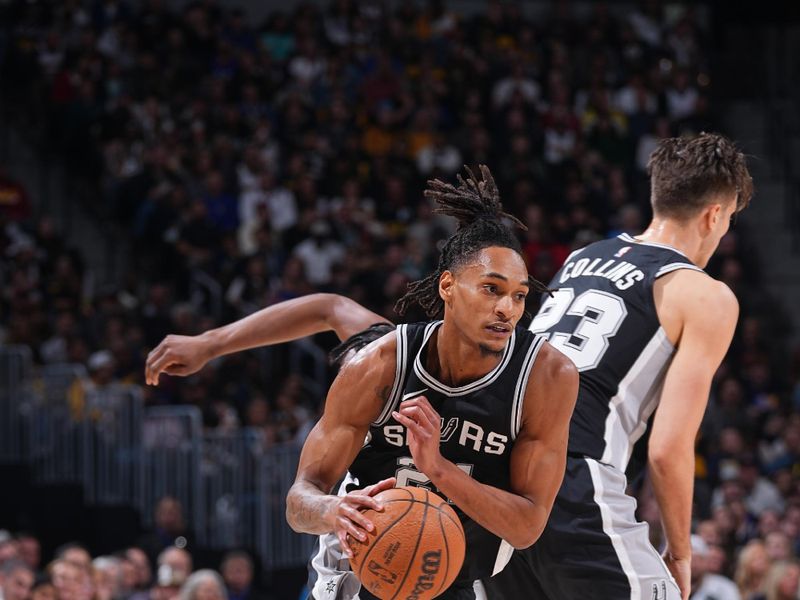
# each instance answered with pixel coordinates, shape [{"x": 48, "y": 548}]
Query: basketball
[{"x": 416, "y": 549}]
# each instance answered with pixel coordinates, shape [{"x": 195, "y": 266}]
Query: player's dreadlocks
[
  {"x": 357, "y": 341},
  {"x": 476, "y": 204}
]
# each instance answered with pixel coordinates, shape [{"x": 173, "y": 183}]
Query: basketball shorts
[{"x": 592, "y": 548}]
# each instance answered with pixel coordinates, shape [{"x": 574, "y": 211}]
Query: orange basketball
[{"x": 416, "y": 549}]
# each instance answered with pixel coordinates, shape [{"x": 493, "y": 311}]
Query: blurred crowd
[
  {"x": 159, "y": 567},
  {"x": 280, "y": 158}
]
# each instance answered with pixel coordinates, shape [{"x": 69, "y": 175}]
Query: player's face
[{"x": 488, "y": 297}]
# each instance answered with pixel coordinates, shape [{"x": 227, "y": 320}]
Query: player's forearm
[
  {"x": 283, "y": 322},
  {"x": 672, "y": 475},
  {"x": 308, "y": 509},
  {"x": 509, "y": 516}
]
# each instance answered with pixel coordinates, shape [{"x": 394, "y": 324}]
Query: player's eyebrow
[{"x": 525, "y": 282}]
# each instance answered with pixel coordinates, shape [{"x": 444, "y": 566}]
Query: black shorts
[{"x": 592, "y": 548}]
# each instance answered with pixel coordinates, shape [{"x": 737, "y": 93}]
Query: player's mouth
[{"x": 500, "y": 330}]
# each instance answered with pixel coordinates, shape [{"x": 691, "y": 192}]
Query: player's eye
[
  {"x": 492, "y": 289},
  {"x": 521, "y": 297}
]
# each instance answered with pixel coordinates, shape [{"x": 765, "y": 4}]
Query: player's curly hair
[
  {"x": 688, "y": 173},
  {"x": 475, "y": 203}
]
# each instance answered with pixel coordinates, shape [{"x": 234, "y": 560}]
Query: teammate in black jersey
[
  {"x": 647, "y": 329},
  {"x": 505, "y": 395}
]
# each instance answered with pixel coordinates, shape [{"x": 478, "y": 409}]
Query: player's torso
[
  {"x": 479, "y": 423},
  {"x": 604, "y": 318}
]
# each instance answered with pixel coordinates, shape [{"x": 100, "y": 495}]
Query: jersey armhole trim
[
  {"x": 676, "y": 267},
  {"x": 522, "y": 385},
  {"x": 397, "y": 386}
]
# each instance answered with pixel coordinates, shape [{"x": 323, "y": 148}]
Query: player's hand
[
  {"x": 681, "y": 569},
  {"x": 347, "y": 517},
  {"x": 176, "y": 355},
  {"x": 424, "y": 431}
]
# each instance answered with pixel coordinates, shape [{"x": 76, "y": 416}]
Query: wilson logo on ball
[{"x": 431, "y": 562}]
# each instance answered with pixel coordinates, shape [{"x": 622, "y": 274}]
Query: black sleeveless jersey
[
  {"x": 603, "y": 317},
  {"x": 480, "y": 422}
]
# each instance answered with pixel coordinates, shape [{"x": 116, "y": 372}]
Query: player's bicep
[
  {"x": 538, "y": 458},
  {"x": 355, "y": 400}
]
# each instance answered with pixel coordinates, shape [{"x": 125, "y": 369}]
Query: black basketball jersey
[
  {"x": 480, "y": 422},
  {"x": 603, "y": 317}
]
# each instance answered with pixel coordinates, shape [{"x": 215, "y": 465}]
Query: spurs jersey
[
  {"x": 603, "y": 317},
  {"x": 479, "y": 423}
]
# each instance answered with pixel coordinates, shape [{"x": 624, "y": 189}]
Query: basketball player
[
  {"x": 469, "y": 406},
  {"x": 662, "y": 300},
  {"x": 647, "y": 329}
]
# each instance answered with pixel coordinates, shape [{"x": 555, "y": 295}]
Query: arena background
[{"x": 166, "y": 167}]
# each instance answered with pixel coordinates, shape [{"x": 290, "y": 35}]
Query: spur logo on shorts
[{"x": 660, "y": 590}]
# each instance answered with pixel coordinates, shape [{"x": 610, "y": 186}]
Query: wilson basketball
[{"x": 416, "y": 549}]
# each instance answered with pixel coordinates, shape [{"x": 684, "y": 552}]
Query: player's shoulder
[
  {"x": 696, "y": 292},
  {"x": 552, "y": 368},
  {"x": 377, "y": 359}
]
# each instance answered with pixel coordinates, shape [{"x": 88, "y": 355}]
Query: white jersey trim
[
  {"x": 675, "y": 267},
  {"x": 617, "y": 438},
  {"x": 629, "y": 238},
  {"x": 522, "y": 384},
  {"x": 608, "y": 528},
  {"x": 474, "y": 386},
  {"x": 399, "y": 376},
  {"x": 504, "y": 553}
]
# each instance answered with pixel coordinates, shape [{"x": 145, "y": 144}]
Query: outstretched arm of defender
[
  {"x": 294, "y": 319},
  {"x": 707, "y": 310},
  {"x": 538, "y": 458},
  {"x": 356, "y": 398}
]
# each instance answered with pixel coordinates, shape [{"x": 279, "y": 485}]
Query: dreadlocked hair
[
  {"x": 357, "y": 341},
  {"x": 475, "y": 203}
]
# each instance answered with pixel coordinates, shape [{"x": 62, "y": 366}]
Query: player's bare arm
[
  {"x": 537, "y": 460},
  {"x": 355, "y": 400},
  {"x": 699, "y": 315},
  {"x": 291, "y": 320}
]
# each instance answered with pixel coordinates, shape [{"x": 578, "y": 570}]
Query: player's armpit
[
  {"x": 355, "y": 400},
  {"x": 538, "y": 459}
]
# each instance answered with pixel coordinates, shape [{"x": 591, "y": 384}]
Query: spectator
[
  {"x": 782, "y": 581},
  {"x": 16, "y": 580},
  {"x": 169, "y": 530},
  {"x": 707, "y": 585},
  {"x": 29, "y": 550},
  {"x": 237, "y": 572},
  {"x": 204, "y": 584},
  {"x": 751, "y": 570}
]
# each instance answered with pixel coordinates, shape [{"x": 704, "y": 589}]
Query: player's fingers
[
  {"x": 416, "y": 414},
  {"x": 343, "y": 541},
  {"x": 177, "y": 369},
  {"x": 160, "y": 365},
  {"x": 424, "y": 407},
  {"x": 377, "y": 488},
  {"x": 412, "y": 426},
  {"x": 362, "y": 500},
  {"x": 152, "y": 358},
  {"x": 356, "y": 531}
]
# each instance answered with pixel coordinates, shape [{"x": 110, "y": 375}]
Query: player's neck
[
  {"x": 455, "y": 361},
  {"x": 675, "y": 235}
]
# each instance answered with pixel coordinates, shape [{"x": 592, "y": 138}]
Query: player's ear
[
  {"x": 711, "y": 216},
  {"x": 446, "y": 285}
]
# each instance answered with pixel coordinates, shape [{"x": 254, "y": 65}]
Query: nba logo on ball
[{"x": 416, "y": 549}]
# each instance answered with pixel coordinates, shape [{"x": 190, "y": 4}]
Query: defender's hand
[
  {"x": 346, "y": 516},
  {"x": 176, "y": 355}
]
